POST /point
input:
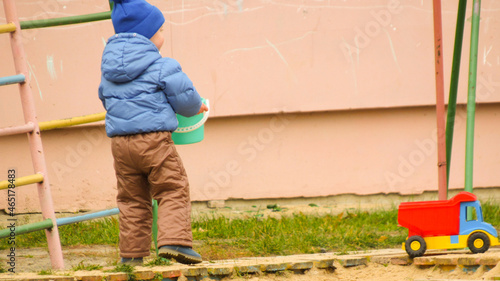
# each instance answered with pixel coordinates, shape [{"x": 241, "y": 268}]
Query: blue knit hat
[{"x": 136, "y": 16}]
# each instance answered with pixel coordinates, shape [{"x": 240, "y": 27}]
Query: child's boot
[{"x": 182, "y": 254}]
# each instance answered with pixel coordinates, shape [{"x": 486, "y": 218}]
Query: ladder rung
[
  {"x": 86, "y": 216},
  {"x": 7, "y": 28},
  {"x": 36, "y": 178},
  {"x": 27, "y": 128},
  {"x": 27, "y": 228},
  {"x": 20, "y": 78},
  {"x": 65, "y": 20},
  {"x": 55, "y": 124}
]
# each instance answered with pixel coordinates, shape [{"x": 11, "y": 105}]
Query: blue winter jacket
[{"x": 142, "y": 91}]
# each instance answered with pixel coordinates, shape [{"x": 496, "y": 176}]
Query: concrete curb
[{"x": 298, "y": 264}]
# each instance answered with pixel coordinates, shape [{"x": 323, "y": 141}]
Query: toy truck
[{"x": 446, "y": 224}]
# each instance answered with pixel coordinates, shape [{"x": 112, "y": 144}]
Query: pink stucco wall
[{"x": 310, "y": 98}]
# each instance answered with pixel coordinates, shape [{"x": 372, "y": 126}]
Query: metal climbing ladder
[{"x": 32, "y": 129}]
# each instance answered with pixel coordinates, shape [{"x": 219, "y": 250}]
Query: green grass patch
[
  {"x": 45, "y": 272},
  {"x": 491, "y": 213},
  {"x": 122, "y": 268},
  {"x": 89, "y": 267},
  {"x": 300, "y": 233},
  {"x": 125, "y": 268},
  {"x": 226, "y": 238},
  {"x": 159, "y": 261}
]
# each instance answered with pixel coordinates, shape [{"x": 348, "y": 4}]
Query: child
[{"x": 142, "y": 92}]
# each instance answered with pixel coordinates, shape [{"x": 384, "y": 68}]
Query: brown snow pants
[{"x": 147, "y": 166}]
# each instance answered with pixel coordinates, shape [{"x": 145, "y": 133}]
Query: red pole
[{"x": 440, "y": 111}]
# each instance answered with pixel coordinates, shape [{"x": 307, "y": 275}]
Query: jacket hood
[{"x": 126, "y": 56}]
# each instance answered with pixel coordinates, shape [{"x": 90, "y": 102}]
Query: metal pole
[
  {"x": 471, "y": 101},
  {"x": 26, "y": 128},
  {"x": 36, "y": 178},
  {"x": 65, "y": 21},
  {"x": 62, "y": 123},
  {"x": 155, "y": 225},
  {"x": 7, "y": 28},
  {"x": 438, "y": 54},
  {"x": 86, "y": 217},
  {"x": 12, "y": 79},
  {"x": 455, "y": 74},
  {"x": 60, "y": 221},
  {"x": 34, "y": 139},
  {"x": 21, "y": 229}
]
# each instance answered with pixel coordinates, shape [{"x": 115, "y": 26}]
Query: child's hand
[{"x": 203, "y": 108}]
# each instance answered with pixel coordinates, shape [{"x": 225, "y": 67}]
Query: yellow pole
[
  {"x": 55, "y": 124},
  {"x": 22, "y": 181},
  {"x": 7, "y": 28}
]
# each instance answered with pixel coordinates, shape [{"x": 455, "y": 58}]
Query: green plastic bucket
[{"x": 191, "y": 129}]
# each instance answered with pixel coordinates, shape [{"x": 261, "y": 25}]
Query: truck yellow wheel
[
  {"x": 478, "y": 242},
  {"x": 415, "y": 246}
]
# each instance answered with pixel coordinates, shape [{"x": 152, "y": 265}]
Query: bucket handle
[{"x": 197, "y": 125}]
